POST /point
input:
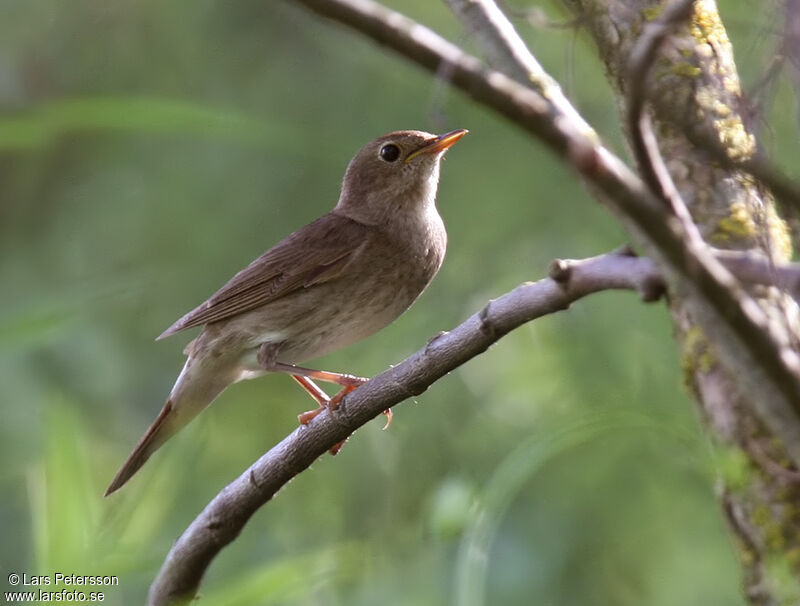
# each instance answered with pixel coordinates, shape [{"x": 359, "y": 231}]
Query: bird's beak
[{"x": 438, "y": 144}]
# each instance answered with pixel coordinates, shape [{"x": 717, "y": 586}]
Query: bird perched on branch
[{"x": 336, "y": 281}]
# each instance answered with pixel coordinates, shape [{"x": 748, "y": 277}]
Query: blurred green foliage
[{"x": 148, "y": 150}]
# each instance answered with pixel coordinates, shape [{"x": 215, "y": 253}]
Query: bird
[{"x": 336, "y": 281}]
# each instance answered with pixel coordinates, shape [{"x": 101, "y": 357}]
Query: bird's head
[{"x": 396, "y": 174}]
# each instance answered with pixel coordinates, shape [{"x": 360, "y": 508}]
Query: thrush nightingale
[{"x": 337, "y": 280}]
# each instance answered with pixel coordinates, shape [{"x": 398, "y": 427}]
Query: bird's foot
[
  {"x": 337, "y": 399},
  {"x": 334, "y": 450},
  {"x": 349, "y": 383}
]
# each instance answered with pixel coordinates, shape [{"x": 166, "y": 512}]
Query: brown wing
[{"x": 316, "y": 253}]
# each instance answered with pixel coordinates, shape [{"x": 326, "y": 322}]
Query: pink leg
[
  {"x": 322, "y": 399},
  {"x": 348, "y": 382},
  {"x": 315, "y": 392},
  {"x": 305, "y": 377}
]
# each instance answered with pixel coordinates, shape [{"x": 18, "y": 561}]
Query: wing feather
[{"x": 316, "y": 253}]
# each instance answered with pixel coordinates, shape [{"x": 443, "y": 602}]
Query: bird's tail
[{"x": 199, "y": 383}]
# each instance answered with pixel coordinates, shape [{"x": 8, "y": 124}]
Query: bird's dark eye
[{"x": 390, "y": 152}]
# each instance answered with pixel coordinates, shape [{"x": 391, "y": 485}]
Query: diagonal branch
[
  {"x": 507, "y": 52},
  {"x": 225, "y": 516}
]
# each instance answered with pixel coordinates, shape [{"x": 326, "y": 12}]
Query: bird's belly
[
  {"x": 353, "y": 316},
  {"x": 307, "y": 327}
]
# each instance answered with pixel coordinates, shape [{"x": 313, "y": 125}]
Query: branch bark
[{"x": 225, "y": 516}]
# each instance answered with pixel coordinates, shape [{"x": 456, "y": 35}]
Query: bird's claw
[
  {"x": 334, "y": 450},
  {"x": 306, "y": 417},
  {"x": 332, "y": 404},
  {"x": 337, "y": 399}
]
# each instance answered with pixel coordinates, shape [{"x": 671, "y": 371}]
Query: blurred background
[{"x": 149, "y": 150}]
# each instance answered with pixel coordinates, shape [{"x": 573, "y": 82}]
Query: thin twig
[
  {"x": 224, "y": 517},
  {"x": 504, "y": 48},
  {"x": 506, "y": 51},
  {"x": 537, "y": 17},
  {"x": 785, "y": 189},
  {"x": 753, "y": 268},
  {"x": 643, "y": 141}
]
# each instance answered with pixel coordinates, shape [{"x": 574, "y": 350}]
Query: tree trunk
[{"x": 694, "y": 94}]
